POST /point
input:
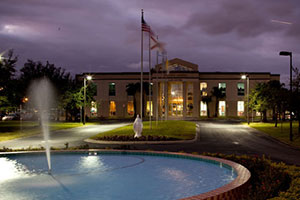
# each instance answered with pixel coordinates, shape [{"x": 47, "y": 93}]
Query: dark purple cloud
[{"x": 103, "y": 35}]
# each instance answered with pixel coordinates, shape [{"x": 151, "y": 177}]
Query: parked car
[{"x": 12, "y": 116}]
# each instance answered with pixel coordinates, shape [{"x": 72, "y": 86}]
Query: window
[
  {"x": 149, "y": 108},
  {"x": 112, "y": 108},
  {"x": 222, "y": 108},
  {"x": 112, "y": 89},
  {"x": 203, "y": 109},
  {"x": 130, "y": 108},
  {"x": 241, "y": 89},
  {"x": 203, "y": 88},
  {"x": 222, "y": 87},
  {"x": 189, "y": 97},
  {"x": 240, "y": 108}
]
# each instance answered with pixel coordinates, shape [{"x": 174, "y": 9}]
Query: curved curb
[
  {"x": 141, "y": 142},
  {"x": 145, "y": 142}
]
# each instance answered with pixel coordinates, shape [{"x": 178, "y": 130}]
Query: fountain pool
[{"x": 113, "y": 175}]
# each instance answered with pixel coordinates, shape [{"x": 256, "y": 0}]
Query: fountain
[{"x": 41, "y": 93}]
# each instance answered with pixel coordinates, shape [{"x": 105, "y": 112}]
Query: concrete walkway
[{"x": 74, "y": 137}]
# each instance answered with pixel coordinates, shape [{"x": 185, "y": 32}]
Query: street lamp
[
  {"x": 287, "y": 53},
  {"x": 88, "y": 77},
  {"x": 24, "y": 100},
  {"x": 246, "y": 77}
]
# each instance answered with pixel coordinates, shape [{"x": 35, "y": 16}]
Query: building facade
[{"x": 179, "y": 91}]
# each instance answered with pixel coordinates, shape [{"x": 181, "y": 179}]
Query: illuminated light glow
[
  {"x": 243, "y": 77},
  {"x": 89, "y": 77},
  {"x": 10, "y": 169},
  {"x": 92, "y": 162},
  {"x": 281, "y": 22}
]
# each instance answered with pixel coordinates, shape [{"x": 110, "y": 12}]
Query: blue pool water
[{"x": 107, "y": 177}]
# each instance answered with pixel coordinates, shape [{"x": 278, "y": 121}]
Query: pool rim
[{"x": 231, "y": 190}]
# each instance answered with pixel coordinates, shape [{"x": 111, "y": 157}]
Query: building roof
[{"x": 177, "y": 61}]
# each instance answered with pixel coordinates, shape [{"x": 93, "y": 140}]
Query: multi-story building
[{"x": 179, "y": 91}]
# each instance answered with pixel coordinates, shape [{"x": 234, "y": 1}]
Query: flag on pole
[
  {"x": 156, "y": 43},
  {"x": 146, "y": 27},
  {"x": 167, "y": 66}
]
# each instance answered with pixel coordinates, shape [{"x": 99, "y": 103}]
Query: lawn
[
  {"x": 181, "y": 130},
  {"x": 281, "y": 132},
  {"x": 14, "y": 129}
]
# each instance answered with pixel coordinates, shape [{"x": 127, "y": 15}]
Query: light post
[
  {"x": 287, "y": 53},
  {"x": 88, "y": 77},
  {"x": 24, "y": 100},
  {"x": 246, "y": 77}
]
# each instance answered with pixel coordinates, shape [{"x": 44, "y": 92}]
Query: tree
[
  {"x": 62, "y": 81},
  {"x": 275, "y": 98},
  {"x": 218, "y": 94},
  {"x": 207, "y": 100},
  {"x": 35, "y": 70},
  {"x": 8, "y": 92},
  {"x": 134, "y": 89},
  {"x": 296, "y": 95},
  {"x": 72, "y": 100},
  {"x": 270, "y": 95}
]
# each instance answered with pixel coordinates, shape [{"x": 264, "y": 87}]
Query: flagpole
[
  {"x": 167, "y": 106},
  {"x": 141, "y": 98},
  {"x": 150, "y": 105},
  {"x": 157, "y": 85}
]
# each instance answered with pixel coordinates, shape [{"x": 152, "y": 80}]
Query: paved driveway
[
  {"x": 229, "y": 138},
  {"x": 73, "y": 136}
]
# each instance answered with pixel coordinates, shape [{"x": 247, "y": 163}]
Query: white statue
[{"x": 137, "y": 127}]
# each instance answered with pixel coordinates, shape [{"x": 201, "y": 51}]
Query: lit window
[
  {"x": 222, "y": 87},
  {"x": 240, "y": 108},
  {"x": 112, "y": 89},
  {"x": 112, "y": 108},
  {"x": 222, "y": 108},
  {"x": 130, "y": 108},
  {"x": 241, "y": 89},
  {"x": 203, "y": 88},
  {"x": 203, "y": 109}
]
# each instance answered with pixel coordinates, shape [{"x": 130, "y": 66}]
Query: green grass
[
  {"x": 281, "y": 132},
  {"x": 182, "y": 130},
  {"x": 14, "y": 129}
]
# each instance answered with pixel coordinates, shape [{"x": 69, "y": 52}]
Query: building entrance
[{"x": 175, "y": 99}]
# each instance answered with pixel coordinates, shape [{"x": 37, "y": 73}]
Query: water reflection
[
  {"x": 178, "y": 176},
  {"x": 11, "y": 169},
  {"x": 91, "y": 163}
]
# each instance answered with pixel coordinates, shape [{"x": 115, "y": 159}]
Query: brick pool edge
[{"x": 231, "y": 191}]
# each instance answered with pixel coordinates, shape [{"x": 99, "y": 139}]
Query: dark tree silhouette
[{"x": 218, "y": 94}]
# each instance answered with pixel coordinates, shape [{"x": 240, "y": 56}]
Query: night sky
[{"x": 105, "y": 35}]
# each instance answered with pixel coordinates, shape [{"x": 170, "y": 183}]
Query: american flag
[
  {"x": 157, "y": 44},
  {"x": 146, "y": 27}
]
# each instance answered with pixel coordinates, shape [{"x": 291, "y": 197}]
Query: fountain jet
[{"x": 41, "y": 92}]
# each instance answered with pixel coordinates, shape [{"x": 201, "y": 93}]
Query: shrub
[{"x": 269, "y": 180}]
